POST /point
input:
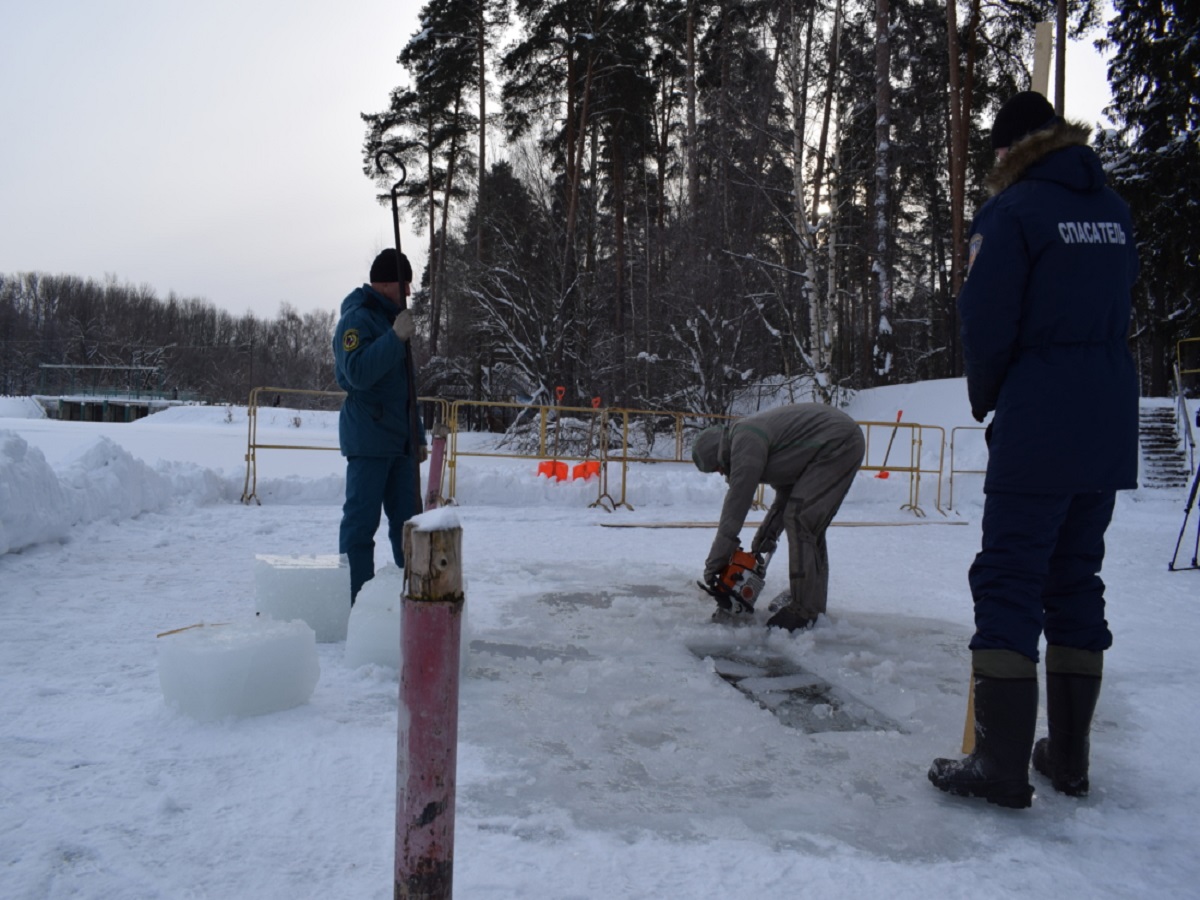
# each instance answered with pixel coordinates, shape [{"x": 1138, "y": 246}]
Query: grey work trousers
[{"x": 812, "y": 502}]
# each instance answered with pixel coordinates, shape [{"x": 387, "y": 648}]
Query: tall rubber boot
[
  {"x": 1006, "y": 702},
  {"x": 1072, "y": 687}
]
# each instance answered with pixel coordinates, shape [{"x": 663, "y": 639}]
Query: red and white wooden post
[{"x": 427, "y": 739}]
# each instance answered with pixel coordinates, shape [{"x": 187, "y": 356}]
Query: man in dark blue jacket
[
  {"x": 370, "y": 357},
  {"x": 1045, "y": 319}
]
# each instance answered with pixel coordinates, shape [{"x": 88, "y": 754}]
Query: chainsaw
[{"x": 739, "y": 585}]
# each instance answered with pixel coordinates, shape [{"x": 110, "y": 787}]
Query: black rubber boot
[
  {"x": 793, "y": 618},
  {"x": 1070, "y": 704},
  {"x": 796, "y": 609},
  {"x": 1005, "y": 718}
]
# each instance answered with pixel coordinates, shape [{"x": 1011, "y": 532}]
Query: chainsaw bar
[{"x": 728, "y": 601}]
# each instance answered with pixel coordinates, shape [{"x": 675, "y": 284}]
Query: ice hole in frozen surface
[{"x": 799, "y": 698}]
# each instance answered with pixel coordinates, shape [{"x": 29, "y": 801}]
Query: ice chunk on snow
[
  {"x": 315, "y": 589},
  {"x": 373, "y": 635},
  {"x": 238, "y": 669}
]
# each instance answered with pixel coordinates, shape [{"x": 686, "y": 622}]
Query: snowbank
[{"x": 20, "y": 408}]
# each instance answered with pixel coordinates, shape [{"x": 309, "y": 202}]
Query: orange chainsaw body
[{"x": 743, "y": 578}]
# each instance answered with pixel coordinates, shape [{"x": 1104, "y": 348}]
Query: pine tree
[
  {"x": 1154, "y": 158},
  {"x": 429, "y": 125}
]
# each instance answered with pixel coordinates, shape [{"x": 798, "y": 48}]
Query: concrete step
[{"x": 1164, "y": 463}]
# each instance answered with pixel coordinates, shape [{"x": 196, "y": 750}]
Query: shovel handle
[{"x": 887, "y": 453}]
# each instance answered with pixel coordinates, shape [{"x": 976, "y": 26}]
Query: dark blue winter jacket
[
  {"x": 1045, "y": 321},
  {"x": 370, "y": 366}
]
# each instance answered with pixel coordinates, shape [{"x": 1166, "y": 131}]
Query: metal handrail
[
  {"x": 1179, "y": 345},
  {"x": 1183, "y": 420}
]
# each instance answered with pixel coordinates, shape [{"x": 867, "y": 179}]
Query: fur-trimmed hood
[{"x": 1026, "y": 153}]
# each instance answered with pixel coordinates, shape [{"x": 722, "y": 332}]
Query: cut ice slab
[
  {"x": 313, "y": 588},
  {"x": 799, "y": 698},
  {"x": 373, "y": 632},
  {"x": 238, "y": 669}
]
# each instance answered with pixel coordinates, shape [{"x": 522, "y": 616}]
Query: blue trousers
[
  {"x": 375, "y": 483},
  {"x": 1039, "y": 572}
]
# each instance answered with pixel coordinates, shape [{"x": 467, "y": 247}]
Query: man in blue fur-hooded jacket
[
  {"x": 1045, "y": 316},
  {"x": 370, "y": 356}
]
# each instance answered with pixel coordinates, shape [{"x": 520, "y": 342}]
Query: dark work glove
[
  {"x": 763, "y": 544},
  {"x": 715, "y": 567},
  {"x": 978, "y": 416},
  {"x": 719, "y": 556}
]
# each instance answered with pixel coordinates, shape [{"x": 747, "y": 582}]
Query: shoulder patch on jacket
[
  {"x": 976, "y": 243},
  {"x": 350, "y": 339}
]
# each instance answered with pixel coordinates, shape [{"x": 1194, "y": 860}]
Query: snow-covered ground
[{"x": 601, "y": 754}]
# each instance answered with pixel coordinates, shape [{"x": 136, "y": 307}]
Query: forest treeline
[
  {"x": 665, "y": 202},
  {"x": 99, "y": 335}
]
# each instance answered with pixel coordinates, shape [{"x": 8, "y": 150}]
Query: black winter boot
[
  {"x": 1005, "y": 718},
  {"x": 1072, "y": 688},
  {"x": 793, "y": 618}
]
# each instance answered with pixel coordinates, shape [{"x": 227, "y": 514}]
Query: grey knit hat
[{"x": 706, "y": 447}]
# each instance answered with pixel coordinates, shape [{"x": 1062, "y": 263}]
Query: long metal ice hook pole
[
  {"x": 413, "y": 413},
  {"x": 395, "y": 160}
]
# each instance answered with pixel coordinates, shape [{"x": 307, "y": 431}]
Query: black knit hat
[
  {"x": 385, "y": 270},
  {"x": 1024, "y": 114}
]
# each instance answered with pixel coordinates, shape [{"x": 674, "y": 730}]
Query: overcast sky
[
  {"x": 208, "y": 148},
  {"x": 213, "y": 149}
]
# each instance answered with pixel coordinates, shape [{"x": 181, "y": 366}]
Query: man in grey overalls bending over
[{"x": 809, "y": 453}]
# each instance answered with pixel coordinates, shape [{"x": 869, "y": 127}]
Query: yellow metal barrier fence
[
  {"x": 250, "y": 488},
  {"x": 642, "y": 422},
  {"x": 641, "y": 436},
  {"x": 953, "y": 469},
  {"x": 913, "y": 466},
  {"x": 548, "y": 447},
  {"x": 625, "y": 437},
  {"x": 253, "y": 445}
]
